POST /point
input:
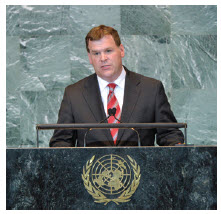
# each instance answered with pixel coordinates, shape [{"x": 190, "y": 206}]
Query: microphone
[{"x": 112, "y": 112}]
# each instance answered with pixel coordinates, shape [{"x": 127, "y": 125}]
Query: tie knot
[{"x": 111, "y": 86}]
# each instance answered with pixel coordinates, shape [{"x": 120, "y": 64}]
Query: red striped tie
[{"x": 113, "y": 103}]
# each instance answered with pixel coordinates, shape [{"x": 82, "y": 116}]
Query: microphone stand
[
  {"x": 111, "y": 112},
  {"x": 138, "y": 136}
]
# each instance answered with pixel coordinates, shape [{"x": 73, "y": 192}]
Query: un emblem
[{"x": 111, "y": 178}]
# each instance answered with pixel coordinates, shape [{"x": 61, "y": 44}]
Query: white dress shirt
[{"x": 118, "y": 91}]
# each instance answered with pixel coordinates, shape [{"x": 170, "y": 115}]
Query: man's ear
[
  {"x": 122, "y": 50},
  {"x": 89, "y": 57}
]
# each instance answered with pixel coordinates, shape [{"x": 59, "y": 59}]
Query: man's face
[{"x": 106, "y": 58}]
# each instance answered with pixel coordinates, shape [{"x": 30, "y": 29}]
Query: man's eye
[
  {"x": 95, "y": 53},
  {"x": 108, "y": 51}
]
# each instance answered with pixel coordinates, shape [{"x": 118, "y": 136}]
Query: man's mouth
[{"x": 105, "y": 67}]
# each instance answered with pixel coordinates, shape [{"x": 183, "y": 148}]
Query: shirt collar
[{"x": 120, "y": 81}]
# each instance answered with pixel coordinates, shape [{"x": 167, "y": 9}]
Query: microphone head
[{"x": 112, "y": 111}]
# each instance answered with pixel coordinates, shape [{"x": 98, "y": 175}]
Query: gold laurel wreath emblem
[{"x": 101, "y": 198}]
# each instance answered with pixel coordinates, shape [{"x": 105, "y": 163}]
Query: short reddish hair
[{"x": 99, "y": 32}]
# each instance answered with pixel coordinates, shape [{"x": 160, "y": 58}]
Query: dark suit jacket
[{"x": 144, "y": 102}]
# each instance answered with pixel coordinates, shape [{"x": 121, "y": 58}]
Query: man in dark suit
[{"x": 137, "y": 99}]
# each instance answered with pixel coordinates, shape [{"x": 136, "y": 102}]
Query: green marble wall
[{"x": 46, "y": 52}]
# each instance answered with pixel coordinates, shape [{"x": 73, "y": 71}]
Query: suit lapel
[
  {"x": 92, "y": 96},
  {"x": 131, "y": 95}
]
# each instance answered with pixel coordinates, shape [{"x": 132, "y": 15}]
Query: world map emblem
[{"x": 111, "y": 178}]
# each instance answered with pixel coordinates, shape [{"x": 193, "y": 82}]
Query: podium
[{"x": 122, "y": 178}]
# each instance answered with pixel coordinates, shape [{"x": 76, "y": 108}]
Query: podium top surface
[{"x": 112, "y": 147}]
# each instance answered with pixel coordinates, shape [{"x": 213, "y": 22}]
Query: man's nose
[{"x": 103, "y": 57}]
